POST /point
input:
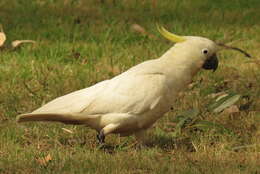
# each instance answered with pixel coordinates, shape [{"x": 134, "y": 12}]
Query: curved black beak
[{"x": 211, "y": 63}]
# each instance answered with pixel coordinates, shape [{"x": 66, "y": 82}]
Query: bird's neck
[
  {"x": 182, "y": 61},
  {"x": 179, "y": 67}
]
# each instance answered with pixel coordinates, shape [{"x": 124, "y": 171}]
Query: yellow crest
[{"x": 170, "y": 36}]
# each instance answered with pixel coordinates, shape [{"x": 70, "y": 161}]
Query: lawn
[{"x": 82, "y": 42}]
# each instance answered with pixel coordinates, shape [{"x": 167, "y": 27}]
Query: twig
[{"x": 235, "y": 48}]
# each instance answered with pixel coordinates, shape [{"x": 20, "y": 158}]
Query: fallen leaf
[
  {"x": 2, "y": 36},
  {"x": 223, "y": 102},
  {"x": 232, "y": 109},
  {"x": 44, "y": 161},
  {"x": 67, "y": 130},
  {"x": 17, "y": 43},
  {"x": 229, "y": 102},
  {"x": 139, "y": 29}
]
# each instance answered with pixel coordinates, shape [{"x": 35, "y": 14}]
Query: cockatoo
[{"x": 133, "y": 101}]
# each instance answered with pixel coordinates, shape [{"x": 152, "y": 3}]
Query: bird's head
[{"x": 202, "y": 51}]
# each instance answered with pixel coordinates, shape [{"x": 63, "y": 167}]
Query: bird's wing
[
  {"x": 133, "y": 93},
  {"x": 73, "y": 102},
  {"x": 128, "y": 93}
]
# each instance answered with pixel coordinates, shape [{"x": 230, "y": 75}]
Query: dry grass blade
[{"x": 67, "y": 130}]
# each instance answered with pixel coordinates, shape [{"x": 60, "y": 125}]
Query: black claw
[{"x": 101, "y": 137}]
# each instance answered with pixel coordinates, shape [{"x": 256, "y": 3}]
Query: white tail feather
[{"x": 64, "y": 118}]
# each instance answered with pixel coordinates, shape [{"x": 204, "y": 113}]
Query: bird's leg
[
  {"x": 105, "y": 131},
  {"x": 101, "y": 137}
]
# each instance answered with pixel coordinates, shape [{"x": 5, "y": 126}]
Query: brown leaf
[
  {"x": 232, "y": 109},
  {"x": 137, "y": 28},
  {"x": 2, "y": 36},
  {"x": 44, "y": 161},
  {"x": 18, "y": 43},
  {"x": 2, "y": 39}
]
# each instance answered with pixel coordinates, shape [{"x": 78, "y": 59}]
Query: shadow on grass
[{"x": 165, "y": 143}]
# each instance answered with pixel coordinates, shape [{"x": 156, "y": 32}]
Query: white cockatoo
[{"x": 133, "y": 101}]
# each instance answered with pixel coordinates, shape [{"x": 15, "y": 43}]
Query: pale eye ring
[{"x": 205, "y": 51}]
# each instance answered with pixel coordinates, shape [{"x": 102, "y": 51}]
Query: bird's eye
[{"x": 205, "y": 51}]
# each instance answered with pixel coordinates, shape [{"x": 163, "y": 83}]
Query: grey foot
[{"x": 101, "y": 137}]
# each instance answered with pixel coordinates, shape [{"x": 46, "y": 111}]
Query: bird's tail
[{"x": 64, "y": 118}]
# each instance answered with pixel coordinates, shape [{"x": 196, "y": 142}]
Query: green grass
[{"x": 83, "y": 42}]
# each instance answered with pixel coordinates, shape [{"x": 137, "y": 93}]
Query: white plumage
[{"x": 132, "y": 101}]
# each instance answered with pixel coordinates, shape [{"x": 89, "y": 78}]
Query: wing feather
[
  {"x": 137, "y": 90},
  {"x": 135, "y": 94}
]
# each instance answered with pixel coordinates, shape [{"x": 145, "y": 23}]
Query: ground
[{"x": 79, "y": 43}]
